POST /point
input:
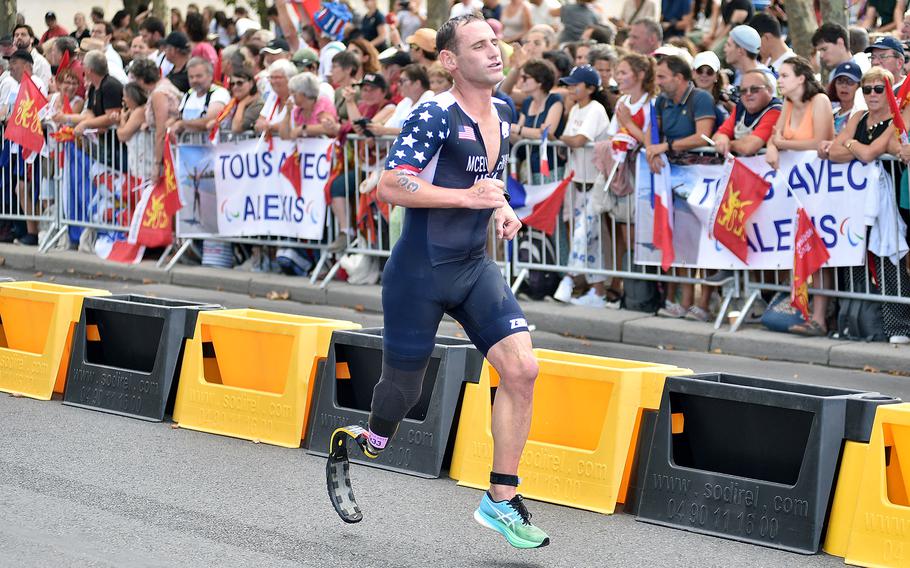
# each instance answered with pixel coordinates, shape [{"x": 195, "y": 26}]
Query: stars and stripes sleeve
[{"x": 422, "y": 134}]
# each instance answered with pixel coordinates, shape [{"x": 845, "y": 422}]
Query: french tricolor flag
[
  {"x": 538, "y": 205},
  {"x": 544, "y": 152},
  {"x": 662, "y": 203}
]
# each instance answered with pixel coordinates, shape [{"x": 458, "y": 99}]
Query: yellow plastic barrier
[
  {"x": 870, "y": 517},
  {"x": 250, "y": 373},
  {"x": 36, "y": 327},
  {"x": 584, "y": 428}
]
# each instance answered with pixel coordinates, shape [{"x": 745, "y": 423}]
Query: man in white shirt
[
  {"x": 204, "y": 101},
  {"x": 24, "y": 38},
  {"x": 104, "y": 31}
]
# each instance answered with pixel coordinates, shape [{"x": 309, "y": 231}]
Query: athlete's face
[{"x": 477, "y": 58}]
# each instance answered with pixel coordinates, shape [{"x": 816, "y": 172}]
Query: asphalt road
[{"x": 83, "y": 488}]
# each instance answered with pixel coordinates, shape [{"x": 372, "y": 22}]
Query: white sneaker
[
  {"x": 590, "y": 300},
  {"x": 899, "y": 339},
  {"x": 563, "y": 292},
  {"x": 672, "y": 310}
]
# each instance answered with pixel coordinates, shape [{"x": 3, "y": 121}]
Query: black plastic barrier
[
  {"x": 344, "y": 391},
  {"x": 126, "y": 354},
  {"x": 750, "y": 459}
]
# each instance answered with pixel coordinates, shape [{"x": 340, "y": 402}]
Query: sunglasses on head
[{"x": 877, "y": 89}]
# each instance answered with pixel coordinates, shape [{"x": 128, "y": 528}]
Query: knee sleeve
[{"x": 397, "y": 391}]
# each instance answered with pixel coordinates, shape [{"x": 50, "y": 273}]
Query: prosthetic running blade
[{"x": 338, "y": 472}]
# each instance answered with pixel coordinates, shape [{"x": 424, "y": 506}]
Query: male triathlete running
[{"x": 446, "y": 168}]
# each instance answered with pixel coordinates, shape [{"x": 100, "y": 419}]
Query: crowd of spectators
[{"x": 719, "y": 71}]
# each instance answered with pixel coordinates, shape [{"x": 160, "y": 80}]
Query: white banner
[
  {"x": 255, "y": 199},
  {"x": 834, "y": 195}
]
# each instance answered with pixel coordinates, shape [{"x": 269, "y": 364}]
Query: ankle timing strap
[{"x": 503, "y": 479}]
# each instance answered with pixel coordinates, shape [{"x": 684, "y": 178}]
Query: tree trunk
[
  {"x": 801, "y": 18},
  {"x": 160, "y": 11},
  {"x": 262, "y": 9},
  {"x": 834, "y": 12},
  {"x": 437, "y": 13},
  {"x": 7, "y": 17}
]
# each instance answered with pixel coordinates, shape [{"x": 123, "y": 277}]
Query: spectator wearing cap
[
  {"x": 842, "y": 90},
  {"x": 804, "y": 123},
  {"x": 741, "y": 51},
  {"x": 374, "y": 27},
  {"x": 306, "y": 60},
  {"x": 273, "y": 51},
  {"x": 685, "y": 114},
  {"x": 707, "y": 76},
  {"x": 103, "y": 31},
  {"x": 20, "y": 62},
  {"x": 587, "y": 122},
  {"x": 369, "y": 57},
  {"x": 391, "y": 69},
  {"x": 330, "y": 22},
  {"x": 204, "y": 101},
  {"x": 773, "y": 51},
  {"x": 373, "y": 98},
  {"x": 177, "y": 52},
  {"x": 24, "y": 38},
  {"x": 422, "y": 45},
  {"x": 882, "y": 16},
  {"x": 309, "y": 113},
  {"x": 888, "y": 53},
  {"x": 345, "y": 73},
  {"x": 645, "y": 36},
  {"x": 54, "y": 29},
  {"x": 408, "y": 21},
  {"x": 81, "y": 32}
]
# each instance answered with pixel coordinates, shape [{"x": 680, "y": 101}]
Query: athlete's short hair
[{"x": 445, "y": 37}]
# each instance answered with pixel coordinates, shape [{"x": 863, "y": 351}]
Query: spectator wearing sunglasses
[
  {"x": 248, "y": 104},
  {"x": 866, "y": 137},
  {"x": 888, "y": 53},
  {"x": 707, "y": 77},
  {"x": 747, "y": 130}
]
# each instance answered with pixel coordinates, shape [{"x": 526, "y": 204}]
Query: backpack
[
  {"x": 538, "y": 250},
  {"x": 860, "y": 319},
  {"x": 641, "y": 295}
]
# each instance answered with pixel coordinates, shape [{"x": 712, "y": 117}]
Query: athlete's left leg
[{"x": 495, "y": 323}]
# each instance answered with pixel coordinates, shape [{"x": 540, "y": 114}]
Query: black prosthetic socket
[{"x": 397, "y": 391}]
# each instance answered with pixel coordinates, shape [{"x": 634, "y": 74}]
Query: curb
[{"x": 618, "y": 326}]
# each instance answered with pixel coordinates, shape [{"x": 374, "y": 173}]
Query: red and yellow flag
[
  {"x": 809, "y": 254},
  {"x": 290, "y": 169},
  {"x": 171, "y": 202},
  {"x": 24, "y": 126},
  {"x": 744, "y": 193}
]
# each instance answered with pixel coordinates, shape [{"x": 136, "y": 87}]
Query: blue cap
[
  {"x": 847, "y": 69},
  {"x": 582, "y": 74},
  {"x": 886, "y": 42}
]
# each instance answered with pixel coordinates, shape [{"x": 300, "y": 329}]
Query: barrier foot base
[
  {"x": 338, "y": 472},
  {"x": 177, "y": 255},
  {"x": 519, "y": 279},
  {"x": 55, "y": 234},
  {"x": 744, "y": 313}
]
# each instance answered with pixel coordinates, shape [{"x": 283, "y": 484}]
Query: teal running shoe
[{"x": 512, "y": 520}]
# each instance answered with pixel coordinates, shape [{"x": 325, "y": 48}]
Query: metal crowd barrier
[
  {"x": 29, "y": 188},
  {"x": 610, "y": 235}
]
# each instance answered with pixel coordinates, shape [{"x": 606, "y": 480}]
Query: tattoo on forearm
[{"x": 404, "y": 180}]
